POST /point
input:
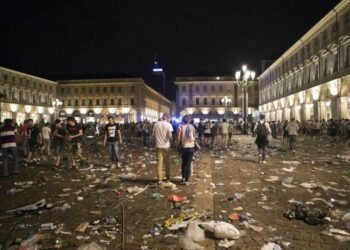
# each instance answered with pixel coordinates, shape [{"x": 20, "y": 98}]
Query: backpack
[{"x": 261, "y": 130}]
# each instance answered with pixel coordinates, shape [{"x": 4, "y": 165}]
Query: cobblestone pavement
[{"x": 96, "y": 194}]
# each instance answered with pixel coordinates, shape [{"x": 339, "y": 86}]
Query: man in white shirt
[
  {"x": 46, "y": 132},
  {"x": 224, "y": 128},
  {"x": 162, "y": 134}
]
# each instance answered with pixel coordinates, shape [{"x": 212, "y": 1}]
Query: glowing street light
[{"x": 245, "y": 80}]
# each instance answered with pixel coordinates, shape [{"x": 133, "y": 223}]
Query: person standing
[
  {"x": 46, "y": 132},
  {"x": 112, "y": 137},
  {"x": 224, "y": 129},
  {"x": 58, "y": 141},
  {"x": 24, "y": 137},
  {"x": 186, "y": 138},
  {"x": 75, "y": 134},
  {"x": 292, "y": 129},
  {"x": 8, "y": 147},
  {"x": 162, "y": 134},
  {"x": 34, "y": 142},
  {"x": 262, "y": 130},
  {"x": 207, "y": 129}
]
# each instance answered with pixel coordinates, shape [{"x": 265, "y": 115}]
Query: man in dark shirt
[
  {"x": 8, "y": 147},
  {"x": 34, "y": 142},
  {"x": 75, "y": 134},
  {"x": 112, "y": 136},
  {"x": 58, "y": 141}
]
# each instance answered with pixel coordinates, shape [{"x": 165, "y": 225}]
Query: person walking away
[
  {"x": 274, "y": 130},
  {"x": 207, "y": 135},
  {"x": 262, "y": 130},
  {"x": 162, "y": 134},
  {"x": 200, "y": 130},
  {"x": 292, "y": 129},
  {"x": 34, "y": 142},
  {"x": 58, "y": 141},
  {"x": 46, "y": 133},
  {"x": 285, "y": 132},
  {"x": 145, "y": 132},
  {"x": 224, "y": 129},
  {"x": 75, "y": 134},
  {"x": 231, "y": 129},
  {"x": 214, "y": 132},
  {"x": 186, "y": 137},
  {"x": 112, "y": 137},
  {"x": 8, "y": 147}
]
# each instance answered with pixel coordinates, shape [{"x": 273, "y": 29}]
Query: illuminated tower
[{"x": 159, "y": 82}]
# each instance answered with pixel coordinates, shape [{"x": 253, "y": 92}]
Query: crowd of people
[{"x": 36, "y": 142}]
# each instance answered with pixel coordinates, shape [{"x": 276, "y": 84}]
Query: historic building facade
[
  {"x": 26, "y": 96},
  {"x": 311, "y": 80},
  {"x": 214, "y": 98},
  {"x": 128, "y": 99}
]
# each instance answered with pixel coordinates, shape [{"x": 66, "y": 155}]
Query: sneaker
[
  {"x": 113, "y": 166},
  {"x": 264, "y": 162},
  {"x": 293, "y": 151}
]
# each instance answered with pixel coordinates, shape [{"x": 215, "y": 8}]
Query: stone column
[
  {"x": 343, "y": 107},
  {"x": 335, "y": 107},
  {"x": 316, "y": 108},
  {"x": 322, "y": 109},
  {"x": 302, "y": 112},
  {"x": 292, "y": 112}
]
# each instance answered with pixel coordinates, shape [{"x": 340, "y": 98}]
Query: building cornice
[
  {"x": 327, "y": 19},
  {"x": 27, "y": 75}
]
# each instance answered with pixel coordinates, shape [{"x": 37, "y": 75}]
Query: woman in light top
[{"x": 186, "y": 137}]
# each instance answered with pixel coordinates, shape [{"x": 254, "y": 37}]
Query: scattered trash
[
  {"x": 255, "y": 228},
  {"x": 222, "y": 230},
  {"x": 291, "y": 162},
  {"x": 311, "y": 216},
  {"x": 272, "y": 178},
  {"x": 234, "y": 216},
  {"x": 176, "y": 198},
  {"x": 81, "y": 227},
  {"x": 155, "y": 196},
  {"x": 346, "y": 220},
  {"x": 271, "y": 246},
  {"x": 91, "y": 246},
  {"x": 28, "y": 208},
  {"x": 338, "y": 234},
  {"x": 235, "y": 197},
  {"x": 226, "y": 243},
  {"x": 33, "y": 240}
]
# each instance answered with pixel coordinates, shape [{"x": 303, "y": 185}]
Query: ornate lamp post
[
  {"x": 227, "y": 102},
  {"x": 56, "y": 105},
  {"x": 244, "y": 79}
]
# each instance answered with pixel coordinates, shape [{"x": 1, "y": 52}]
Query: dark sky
[{"x": 68, "y": 37}]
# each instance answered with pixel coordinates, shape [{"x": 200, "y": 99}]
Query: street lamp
[
  {"x": 244, "y": 79},
  {"x": 56, "y": 105},
  {"x": 2, "y": 96},
  {"x": 227, "y": 102}
]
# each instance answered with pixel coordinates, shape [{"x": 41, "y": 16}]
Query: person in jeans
[
  {"x": 46, "y": 132},
  {"x": 75, "y": 134},
  {"x": 224, "y": 130},
  {"x": 262, "y": 130},
  {"x": 8, "y": 147},
  {"x": 162, "y": 134},
  {"x": 112, "y": 137},
  {"x": 58, "y": 141},
  {"x": 186, "y": 137},
  {"x": 292, "y": 129}
]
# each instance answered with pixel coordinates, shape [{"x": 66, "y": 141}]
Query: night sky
[{"x": 73, "y": 37}]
